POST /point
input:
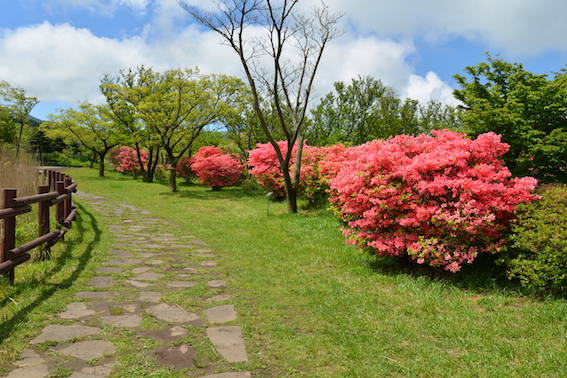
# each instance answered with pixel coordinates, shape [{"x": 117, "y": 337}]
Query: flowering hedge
[
  {"x": 440, "y": 199},
  {"x": 215, "y": 168},
  {"x": 125, "y": 159}
]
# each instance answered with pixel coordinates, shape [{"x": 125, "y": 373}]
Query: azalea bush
[
  {"x": 125, "y": 159},
  {"x": 216, "y": 168},
  {"x": 439, "y": 200}
]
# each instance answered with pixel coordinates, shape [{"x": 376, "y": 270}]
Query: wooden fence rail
[{"x": 57, "y": 190}]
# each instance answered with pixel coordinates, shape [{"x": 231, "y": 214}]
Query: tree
[
  {"x": 528, "y": 110},
  {"x": 122, "y": 95},
  {"x": 366, "y": 109},
  {"x": 19, "y": 106},
  {"x": 91, "y": 126},
  {"x": 293, "y": 44},
  {"x": 178, "y": 104}
]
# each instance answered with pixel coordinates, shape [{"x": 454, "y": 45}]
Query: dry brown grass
[{"x": 20, "y": 173}]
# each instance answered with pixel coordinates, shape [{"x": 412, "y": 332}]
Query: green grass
[
  {"x": 43, "y": 288},
  {"x": 312, "y": 306}
]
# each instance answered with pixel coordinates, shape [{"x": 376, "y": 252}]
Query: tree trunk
[
  {"x": 140, "y": 162},
  {"x": 101, "y": 165},
  {"x": 290, "y": 191},
  {"x": 172, "y": 179},
  {"x": 148, "y": 174},
  {"x": 93, "y": 159},
  {"x": 19, "y": 139}
]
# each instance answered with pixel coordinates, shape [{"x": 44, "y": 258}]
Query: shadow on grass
[
  {"x": 20, "y": 317},
  {"x": 212, "y": 195},
  {"x": 484, "y": 276}
]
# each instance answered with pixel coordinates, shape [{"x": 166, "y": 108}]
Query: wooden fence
[{"x": 56, "y": 191}]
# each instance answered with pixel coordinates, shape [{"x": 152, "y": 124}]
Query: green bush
[{"x": 537, "y": 252}]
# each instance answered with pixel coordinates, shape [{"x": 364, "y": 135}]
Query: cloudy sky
[{"x": 58, "y": 49}]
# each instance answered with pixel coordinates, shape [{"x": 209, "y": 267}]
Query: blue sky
[{"x": 58, "y": 49}]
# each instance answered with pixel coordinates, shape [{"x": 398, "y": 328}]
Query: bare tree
[{"x": 280, "y": 49}]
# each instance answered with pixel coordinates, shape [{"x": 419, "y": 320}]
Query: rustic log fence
[{"x": 56, "y": 190}]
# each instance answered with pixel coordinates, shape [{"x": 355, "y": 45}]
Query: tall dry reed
[{"x": 17, "y": 173}]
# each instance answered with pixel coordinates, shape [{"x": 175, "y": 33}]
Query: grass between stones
[{"x": 312, "y": 306}]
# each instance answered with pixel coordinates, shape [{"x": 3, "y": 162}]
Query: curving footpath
[{"x": 124, "y": 324}]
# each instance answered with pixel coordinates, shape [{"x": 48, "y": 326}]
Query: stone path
[{"x": 157, "y": 306}]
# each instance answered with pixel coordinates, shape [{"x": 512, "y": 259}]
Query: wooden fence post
[
  {"x": 68, "y": 201},
  {"x": 9, "y": 242},
  {"x": 43, "y": 220},
  {"x": 60, "y": 207}
]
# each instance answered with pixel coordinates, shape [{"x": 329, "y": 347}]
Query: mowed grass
[
  {"x": 312, "y": 306},
  {"x": 43, "y": 288}
]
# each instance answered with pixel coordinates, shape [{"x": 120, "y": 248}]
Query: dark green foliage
[
  {"x": 537, "y": 255},
  {"x": 528, "y": 110}
]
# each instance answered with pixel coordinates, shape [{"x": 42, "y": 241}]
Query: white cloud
[
  {"x": 515, "y": 26},
  {"x": 430, "y": 87}
]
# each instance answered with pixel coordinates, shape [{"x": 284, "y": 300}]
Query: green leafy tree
[
  {"x": 528, "y": 110},
  {"x": 19, "y": 107},
  {"x": 90, "y": 126}
]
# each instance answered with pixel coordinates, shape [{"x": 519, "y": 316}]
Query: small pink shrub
[
  {"x": 440, "y": 199},
  {"x": 215, "y": 168},
  {"x": 125, "y": 159},
  {"x": 265, "y": 167}
]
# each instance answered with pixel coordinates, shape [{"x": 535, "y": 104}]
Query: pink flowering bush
[
  {"x": 215, "y": 168},
  {"x": 125, "y": 159},
  {"x": 265, "y": 167},
  {"x": 184, "y": 169},
  {"x": 440, "y": 200}
]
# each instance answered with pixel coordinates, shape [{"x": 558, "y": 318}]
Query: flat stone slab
[
  {"x": 179, "y": 357},
  {"x": 94, "y": 371},
  {"x": 108, "y": 270},
  {"x": 197, "y": 241},
  {"x": 141, "y": 269},
  {"x": 58, "y": 332},
  {"x": 150, "y": 296},
  {"x": 36, "y": 371},
  {"x": 94, "y": 294},
  {"x": 154, "y": 262},
  {"x": 87, "y": 350},
  {"x": 138, "y": 283},
  {"x": 127, "y": 321},
  {"x": 29, "y": 358},
  {"x": 76, "y": 310},
  {"x": 148, "y": 276},
  {"x": 184, "y": 276},
  {"x": 219, "y": 298},
  {"x": 216, "y": 284},
  {"x": 209, "y": 263},
  {"x": 146, "y": 255},
  {"x": 101, "y": 282},
  {"x": 172, "y": 314},
  {"x": 181, "y": 284},
  {"x": 208, "y": 255},
  {"x": 220, "y": 314},
  {"x": 122, "y": 262},
  {"x": 228, "y": 342},
  {"x": 203, "y": 250},
  {"x": 238, "y": 374}
]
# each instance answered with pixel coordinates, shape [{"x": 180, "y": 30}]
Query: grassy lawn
[
  {"x": 312, "y": 306},
  {"x": 44, "y": 288}
]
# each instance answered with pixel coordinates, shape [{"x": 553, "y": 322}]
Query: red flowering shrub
[
  {"x": 265, "y": 167},
  {"x": 125, "y": 159},
  {"x": 184, "y": 169},
  {"x": 216, "y": 168},
  {"x": 439, "y": 199}
]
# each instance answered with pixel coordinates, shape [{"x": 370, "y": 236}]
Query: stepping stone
[
  {"x": 139, "y": 270},
  {"x": 177, "y": 331},
  {"x": 184, "y": 276},
  {"x": 219, "y": 298},
  {"x": 87, "y": 350},
  {"x": 228, "y": 342},
  {"x": 146, "y": 255},
  {"x": 94, "y": 371},
  {"x": 76, "y": 310},
  {"x": 150, "y": 296},
  {"x": 210, "y": 255},
  {"x": 121, "y": 262},
  {"x": 154, "y": 246},
  {"x": 208, "y": 263},
  {"x": 179, "y": 357},
  {"x": 29, "y": 358},
  {"x": 109, "y": 270},
  {"x": 94, "y": 294},
  {"x": 197, "y": 241},
  {"x": 239, "y": 374},
  {"x": 101, "y": 282},
  {"x": 131, "y": 307},
  {"x": 149, "y": 276},
  {"x": 181, "y": 284},
  {"x": 58, "y": 332},
  {"x": 203, "y": 250},
  {"x": 183, "y": 245},
  {"x": 154, "y": 262},
  {"x": 220, "y": 314},
  {"x": 216, "y": 284},
  {"x": 138, "y": 283},
  {"x": 127, "y": 321},
  {"x": 36, "y": 371},
  {"x": 172, "y": 314}
]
